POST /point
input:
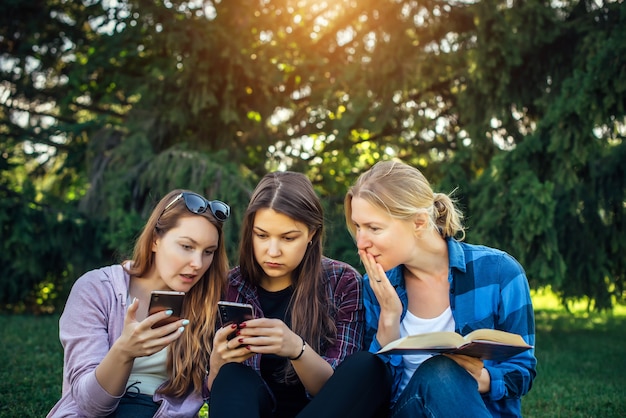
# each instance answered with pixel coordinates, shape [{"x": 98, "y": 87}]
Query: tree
[
  {"x": 518, "y": 104},
  {"x": 556, "y": 198}
]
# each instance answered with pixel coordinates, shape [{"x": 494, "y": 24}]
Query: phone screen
[
  {"x": 233, "y": 312},
  {"x": 161, "y": 300}
]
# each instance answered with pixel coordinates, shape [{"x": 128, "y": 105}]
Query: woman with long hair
[
  {"x": 118, "y": 361},
  {"x": 422, "y": 278},
  {"x": 308, "y": 310}
]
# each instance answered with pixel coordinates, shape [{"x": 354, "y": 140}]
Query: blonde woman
[{"x": 421, "y": 279}]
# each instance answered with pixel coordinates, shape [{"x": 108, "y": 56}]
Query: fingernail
[
  {"x": 181, "y": 329},
  {"x": 169, "y": 312},
  {"x": 248, "y": 347},
  {"x": 242, "y": 325},
  {"x": 134, "y": 300},
  {"x": 238, "y": 333},
  {"x": 185, "y": 322},
  {"x": 240, "y": 340},
  {"x": 233, "y": 326}
]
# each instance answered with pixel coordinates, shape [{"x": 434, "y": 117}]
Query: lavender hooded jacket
[{"x": 92, "y": 320}]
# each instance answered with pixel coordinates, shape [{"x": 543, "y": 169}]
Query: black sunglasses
[{"x": 198, "y": 204}]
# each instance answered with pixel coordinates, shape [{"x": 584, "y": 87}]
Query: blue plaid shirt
[
  {"x": 344, "y": 287},
  {"x": 488, "y": 289}
]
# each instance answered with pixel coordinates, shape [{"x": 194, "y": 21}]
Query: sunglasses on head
[{"x": 198, "y": 204}]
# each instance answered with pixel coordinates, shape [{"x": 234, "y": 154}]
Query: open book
[{"x": 486, "y": 344}]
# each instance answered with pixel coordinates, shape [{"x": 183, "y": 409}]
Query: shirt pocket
[{"x": 485, "y": 323}]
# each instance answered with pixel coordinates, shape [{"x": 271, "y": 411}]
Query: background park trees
[{"x": 519, "y": 105}]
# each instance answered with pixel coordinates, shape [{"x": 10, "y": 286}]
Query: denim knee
[
  {"x": 442, "y": 369},
  {"x": 440, "y": 388}
]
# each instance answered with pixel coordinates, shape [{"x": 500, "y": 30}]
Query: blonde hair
[
  {"x": 403, "y": 191},
  {"x": 188, "y": 356}
]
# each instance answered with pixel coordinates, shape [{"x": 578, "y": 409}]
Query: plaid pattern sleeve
[
  {"x": 345, "y": 289},
  {"x": 489, "y": 289}
]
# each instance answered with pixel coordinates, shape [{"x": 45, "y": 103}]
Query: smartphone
[
  {"x": 162, "y": 300},
  {"x": 234, "y": 312}
]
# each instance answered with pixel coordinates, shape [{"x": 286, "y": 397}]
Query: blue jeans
[{"x": 440, "y": 388}]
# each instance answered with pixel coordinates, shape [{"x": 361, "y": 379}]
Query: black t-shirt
[{"x": 290, "y": 398}]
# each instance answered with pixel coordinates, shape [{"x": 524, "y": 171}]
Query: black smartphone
[
  {"x": 162, "y": 300},
  {"x": 234, "y": 312}
]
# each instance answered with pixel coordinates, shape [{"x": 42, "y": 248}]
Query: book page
[
  {"x": 496, "y": 336},
  {"x": 429, "y": 340},
  {"x": 483, "y": 343}
]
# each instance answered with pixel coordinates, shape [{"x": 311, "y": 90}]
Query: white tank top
[
  {"x": 412, "y": 325},
  {"x": 148, "y": 373}
]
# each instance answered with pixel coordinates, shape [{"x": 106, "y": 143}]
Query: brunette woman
[{"x": 308, "y": 308}]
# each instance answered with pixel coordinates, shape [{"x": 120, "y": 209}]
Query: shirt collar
[
  {"x": 456, "y": 259},
  {"x": 456, "y": 255}
]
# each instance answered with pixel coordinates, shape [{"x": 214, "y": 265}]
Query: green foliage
[
  {"x": 556, "y": 200},
  {"x": 518, "y": 105},
  {"x": 518, "y": 216},
  {"x": 39, "y": 250},
  {"x": 128, "y": 181}
]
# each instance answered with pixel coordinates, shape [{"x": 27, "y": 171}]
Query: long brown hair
[
  {"x": 188, "y": 356},
  {"x": 292, "y": 194}
]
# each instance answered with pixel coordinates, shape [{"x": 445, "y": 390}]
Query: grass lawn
[
  {"x": 32, "y": 360},
  {"x": 581, "y": 364}
]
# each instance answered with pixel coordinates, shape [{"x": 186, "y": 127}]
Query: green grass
[
  {"x": 581, "y": 364},
  {"x": 32, "y": 360}
]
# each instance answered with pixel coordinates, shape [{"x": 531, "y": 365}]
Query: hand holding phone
[
  {"x": 234, "y": 313},
  {"x": 162, "y": 300}
]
